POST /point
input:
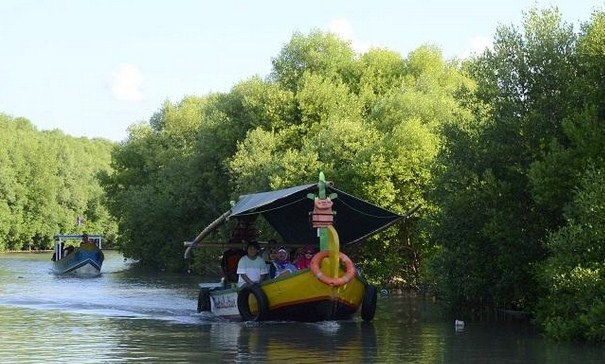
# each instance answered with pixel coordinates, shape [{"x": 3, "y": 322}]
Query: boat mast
[{"x": 322, "y": 218}]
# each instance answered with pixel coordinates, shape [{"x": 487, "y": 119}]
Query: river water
[{"x": 128, "y": 315}]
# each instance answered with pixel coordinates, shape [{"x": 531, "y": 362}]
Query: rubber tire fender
[
  {"x": 368, "y": 306},
  {"x": 203, "y": 300},
  {"x": 261, "y": 299}
]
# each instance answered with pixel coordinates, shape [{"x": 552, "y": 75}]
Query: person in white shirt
[{"x": 251, "y": 267}]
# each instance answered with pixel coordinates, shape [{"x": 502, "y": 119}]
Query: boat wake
[{"x": 108, "y": 310}]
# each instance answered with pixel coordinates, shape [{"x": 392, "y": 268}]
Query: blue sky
[{"x": 93, "y": 68}]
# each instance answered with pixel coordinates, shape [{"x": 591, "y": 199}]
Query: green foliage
[
  {"x": 207, "y": 262},
  {"x": 370, "y": 122},
  {"x": 318, "y": 53},
  {"x": 572, "y": 276},
  {"x": 154, "y": 187},
  {"x": 377, "y": 72},
  {"x": 577, "y": 311},
  {"x": 487, "y": 214},
  {"x": 47, "y": 180},
  {"x": 513, "y": 187},
  {"x": 376, "y": 140},
  {"x": 574, "y": 303}
]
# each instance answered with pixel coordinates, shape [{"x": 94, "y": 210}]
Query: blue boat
[{"x": 83, "y": 258}]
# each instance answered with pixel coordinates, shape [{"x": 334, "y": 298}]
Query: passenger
[
  {"x": 271, "y": 245},
  {"x": 304, "y": 258},
  {"x": 68, "y": 250},
  {"x": 85, "y": 239},
  {"x": 270, "y": 255},
  {"x": 229, "y": 264},
  {"x": 282, "y": 263},
  {"x": 266, "y": 255},
  {"x": 251, "y": 267},
  {"x": 271, "y": 258}
]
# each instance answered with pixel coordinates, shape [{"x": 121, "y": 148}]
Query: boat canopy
[
  {"x": 288, "y": 211},
  {"x": 77, "y": 236},
  {"x": 60, "y": 239}
]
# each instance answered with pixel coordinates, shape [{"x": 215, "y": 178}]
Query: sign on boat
[{"x": 331, "y": 288}]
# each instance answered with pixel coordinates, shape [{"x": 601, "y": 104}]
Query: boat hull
[
  {"x": 299, "y": 296},
  {"x": 85, "y": 261}
]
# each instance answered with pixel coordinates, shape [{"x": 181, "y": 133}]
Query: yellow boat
[{"x": 332, "y": 288}]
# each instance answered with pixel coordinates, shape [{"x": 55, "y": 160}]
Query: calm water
[{"x": 129, "y": 315}]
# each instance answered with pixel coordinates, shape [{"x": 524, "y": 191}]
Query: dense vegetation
[
  {"x": 521, "y": 211},
  {"x": 371, "y": 123},
  {"x": 48, "y": 181},
  {"x": 504, "y": 151}
]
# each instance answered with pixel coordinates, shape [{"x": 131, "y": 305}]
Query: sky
[{"x": 93, "y": 68}]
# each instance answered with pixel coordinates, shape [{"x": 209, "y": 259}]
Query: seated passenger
[
  {"x": 85, "y": 239},
  {"x": 229, "y": 264},
  {"x": 282, "y": 263},
  {"x": 270, "y": 255},
  {"x": 304, "y": 258},
  {"x": 270, "y": 248},
  {"x": 68, "y": 250},
  {"x": 251, "y": 267}
]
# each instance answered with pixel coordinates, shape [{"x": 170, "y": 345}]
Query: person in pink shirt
[{"x": 304, "y": 258}]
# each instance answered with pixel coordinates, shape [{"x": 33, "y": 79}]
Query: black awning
[{"x": 288, "y": 212}]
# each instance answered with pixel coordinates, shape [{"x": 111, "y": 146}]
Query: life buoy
[
  {"x": 262, "y": 303},
  {"x": 368, "y": 305},
  {"x": 332, "y": 281}
]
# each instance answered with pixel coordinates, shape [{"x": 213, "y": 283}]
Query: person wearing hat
[
  {"x": 251, "y": 268},
  {"x": 282, "y": 262}
]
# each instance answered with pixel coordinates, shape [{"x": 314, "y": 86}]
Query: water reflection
[{"x": 334, "y": 342}]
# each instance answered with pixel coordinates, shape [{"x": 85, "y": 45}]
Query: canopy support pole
[{"x": 192, "y": 244}]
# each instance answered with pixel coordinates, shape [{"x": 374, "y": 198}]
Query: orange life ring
[{"x": 332, "y": 281}]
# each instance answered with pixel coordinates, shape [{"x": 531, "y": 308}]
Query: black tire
[
  {"x": 203, "y": 300},
  {"x": 368, "y": 306},
  {"x": 244, "y": 307}
]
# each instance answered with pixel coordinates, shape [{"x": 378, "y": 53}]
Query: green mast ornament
[{"x": 322, "y": 215}]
